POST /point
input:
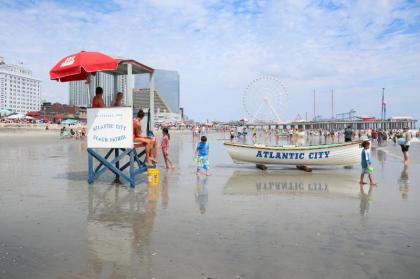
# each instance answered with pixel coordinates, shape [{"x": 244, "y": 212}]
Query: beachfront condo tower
[{"x": 20, "y": 92}]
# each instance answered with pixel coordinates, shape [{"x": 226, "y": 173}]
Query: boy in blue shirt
[
  {"x": 366, "y": 164},
  {"x": 201, "y": 155}
]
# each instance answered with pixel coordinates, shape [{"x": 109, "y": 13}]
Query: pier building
[{"x": 389, "y": 124}]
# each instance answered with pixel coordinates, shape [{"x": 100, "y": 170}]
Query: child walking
[
  {"x": 201, "y": 155},
  {"x": 366, "y": 164},
  {"x": 165, "y": 148}
]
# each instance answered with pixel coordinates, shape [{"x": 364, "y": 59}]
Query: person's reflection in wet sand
[
  {"x": 381, "y": 157},
  {"x": 365, "y": 199},
  {"x": 404, "y": 183},
  {"x": 165, "y": 191},
  {"x": 202, "y": 193}
]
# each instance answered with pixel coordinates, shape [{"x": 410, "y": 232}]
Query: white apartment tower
[
  {"x": 19, "y": 90},
  {"x": 79, "y": 90}
]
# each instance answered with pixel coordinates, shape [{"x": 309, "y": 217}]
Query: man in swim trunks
[
  {"x": 97, "y": 101},
  {"x": 142, "y": 141}
]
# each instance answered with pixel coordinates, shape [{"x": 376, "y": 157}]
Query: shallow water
[{"x": 238, "y": 223}]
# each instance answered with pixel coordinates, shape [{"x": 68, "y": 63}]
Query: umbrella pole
[{"x": 89, "y": 83}]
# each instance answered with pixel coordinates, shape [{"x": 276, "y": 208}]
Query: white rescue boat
[{"x": 340, "y": 154}]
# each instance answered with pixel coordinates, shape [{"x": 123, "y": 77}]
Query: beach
[{"x": 240, "y": 222}]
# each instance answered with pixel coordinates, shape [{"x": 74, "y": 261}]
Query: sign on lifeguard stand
[{"x": 111, "y": 129}]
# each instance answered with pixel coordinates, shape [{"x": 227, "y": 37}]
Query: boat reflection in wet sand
[{"x": 326, "y": 183}]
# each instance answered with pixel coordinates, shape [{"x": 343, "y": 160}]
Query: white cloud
[{"x": 220, "y": 46}]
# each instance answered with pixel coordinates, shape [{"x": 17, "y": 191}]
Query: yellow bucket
[{"x": 153, "y": 176}]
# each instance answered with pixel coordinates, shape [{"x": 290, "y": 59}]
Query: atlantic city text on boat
[{"x": 293, "y": 155}]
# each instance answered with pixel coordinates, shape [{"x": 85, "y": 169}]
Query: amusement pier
[{"x": 359, "y": 124}]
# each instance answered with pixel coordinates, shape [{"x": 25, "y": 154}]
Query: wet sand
[{"x": 238, "y": 223}]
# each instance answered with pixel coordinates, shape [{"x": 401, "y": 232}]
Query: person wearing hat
[{"x": 405, "y": 144}]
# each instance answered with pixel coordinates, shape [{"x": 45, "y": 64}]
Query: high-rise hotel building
[
  {"x": 79, "y": 90},
  {"x": 19, "y": 90},
  {"x": 166, "y": 84}
]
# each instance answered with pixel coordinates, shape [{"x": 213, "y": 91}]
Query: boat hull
[{"x": 338, "y": 154}]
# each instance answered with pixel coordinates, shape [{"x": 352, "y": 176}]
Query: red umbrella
[{"x": 77, "y": 66}]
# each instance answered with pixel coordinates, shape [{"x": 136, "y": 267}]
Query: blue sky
[{"x": 219, "y": 47}]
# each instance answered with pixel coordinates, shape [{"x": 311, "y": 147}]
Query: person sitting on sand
[
  {"x": 366, "y": 164},
  {"x": 97, "y": 101},
  {"x": 143, "y": 141},
  {"x": 118, "y": 100}
]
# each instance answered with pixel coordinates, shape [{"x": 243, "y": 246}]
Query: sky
[{"x": 219, "y": 47}]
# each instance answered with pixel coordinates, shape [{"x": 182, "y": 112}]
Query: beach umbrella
[
  {"x": 5, "y": 112},
  {"x": 79, "y": 65},
  {"x": 69, "y": 122},
  {"x": 16, "y": 116}
]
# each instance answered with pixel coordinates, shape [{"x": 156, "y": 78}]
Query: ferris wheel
[{"x": 265, "y": 99}]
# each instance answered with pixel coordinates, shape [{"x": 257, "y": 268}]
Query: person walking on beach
[
  {"x": 118, "y": 100},
  {"x": 366, "y": 164},
  {"x": 203, "y": 130},
  {"x": 277, "y": 134},
  {"x": 348, "y": 134},
  {"x": 98, "y": 101},
  {"x": 405, "y": 144},
  {"x": 254, "y": 134},
  {"x": 232, "y": 134},
  {"x": 201, "y": 155},
  {"x": 196, "y": 133},
  {"x": 165, "y": 148}
]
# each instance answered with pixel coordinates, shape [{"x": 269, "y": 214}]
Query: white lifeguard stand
[
  {"x": 109, "y": 129},
  {"x": 112, "y": 129}
]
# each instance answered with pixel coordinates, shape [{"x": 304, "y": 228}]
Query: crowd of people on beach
[{"x": 73, "y": 132}]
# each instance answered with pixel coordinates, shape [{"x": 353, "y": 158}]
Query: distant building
[
  {"x": 79, "y": 90},
  {"x": 166, "y": 83},
  {"x": 57, "y": 112},
  {"x": 141, "y": 99},
  {"x": 19, "y": 90}
]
